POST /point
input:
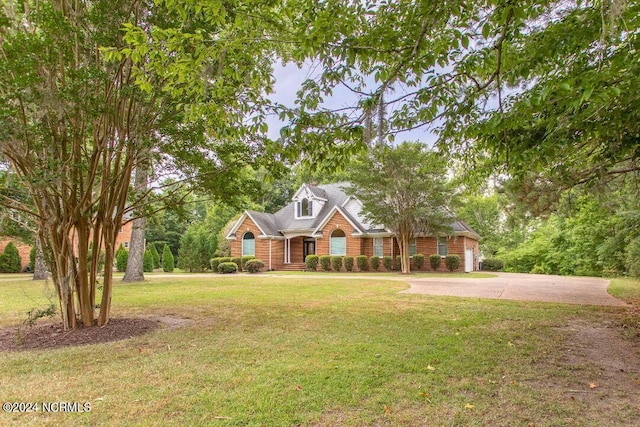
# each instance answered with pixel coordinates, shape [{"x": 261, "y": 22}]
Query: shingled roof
[{"x": 284, "y": 221}]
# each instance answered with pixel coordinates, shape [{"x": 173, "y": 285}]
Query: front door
[{"x": 309, "y": 248}]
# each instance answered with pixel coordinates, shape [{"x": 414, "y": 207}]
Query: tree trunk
[
  {"x": 405, "y": 260},
  {"x": 40, "y": 271},
  {"x": 135, "y": 264}
]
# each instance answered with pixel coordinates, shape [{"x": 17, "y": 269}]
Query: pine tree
[
  {"x": 122, "y": 257},
  {"x": 11, "y": 261},
  {"x": 167, "y": 260}
]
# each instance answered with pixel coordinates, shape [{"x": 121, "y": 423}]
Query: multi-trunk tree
[{"x": 86, "y": 86}]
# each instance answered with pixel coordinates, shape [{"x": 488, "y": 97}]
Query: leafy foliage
[
  {"x": 492, "y": 264},
  {"x": 452, "y": 262},
  {"x": 227, "y": 267},
  {"x": 348, "y": 263},
  {"x": 325, "y": 262},
  {"x": 254, "y": 265},
  {"x": 312, "y": 262},
  {"x": 148, "y": 263},
  {"x": 374, "y": 261},
  {"x": 122, "y": 257},
  {"x": 167, "y": 260},
  {"x": 418, "y": 261},
  {"x": 387, "y": 261},
  {"x": 336, "y": 263},
  {"x": 434, "y": 261},
  {"x": 406, "y": 189},
  {"x": 10, "y": 261},
  {"x": 363, "y": 262}
]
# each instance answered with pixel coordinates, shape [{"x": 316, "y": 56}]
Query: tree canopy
[{"x": 405, "y": 188}]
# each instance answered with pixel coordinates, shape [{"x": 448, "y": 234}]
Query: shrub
[
  {"x": 492, "y": 264},
  {"x": 418, "y": 261},
  {"x": 11, "y": 262},
  {"x": 434, "y": 261},
  {"x": 147, "y": 262},
  {"x": 156, "y": 256},
  {"x": 363, "y": 262},
  {"x": 246, "y": 259},
  {"x": 237, "y": 260},
  {"x": 398, "y": 262},
  {"x": 538, "y": 270},
  {"x": 122, "y": 258},
  {"x": 325, "y": 262},
  {"x": 214, "y": 263},
  {"x": 32, "y": 258},
  {"x": 336, "y": 263},
  {"x": 387, "y": 261},
  {"x": 374, "y": 261},
  {"x": 167, "y": 260},
  {"x": 224, "y": 259},
  {"x": 632, "y": 258},
  {"x": 348, "y": 263},
  {"x": 312, "y": 262},
  {"x": 254, "y": 265},
  {"x": 227, "y": 267},
  {"x": 452, "y": 262}
]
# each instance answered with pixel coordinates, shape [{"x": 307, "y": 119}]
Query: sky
[{"x": 289, "y": 78}]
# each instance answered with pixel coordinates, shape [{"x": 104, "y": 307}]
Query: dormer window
[{"x": 304, "y": 208}]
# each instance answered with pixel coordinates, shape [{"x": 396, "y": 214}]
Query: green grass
[
  {"x": 625, "y": 288},
  {"x": 269, "y": 351}
]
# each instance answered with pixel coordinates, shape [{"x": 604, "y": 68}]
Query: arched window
[
  {"x": 248, "y": 244},
  {"x": 338, "y": 243},
  {"x": 305, "y": 208}
]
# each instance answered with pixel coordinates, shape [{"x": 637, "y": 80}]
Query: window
[
  {"x": 378, "y": 246},
  {"x": 126, "y": 245},
  {"x": 412, "y": 247},
  {"x": 338, "y": 243},
  {"x": 443, "y": 246},
  {"x": 304, "y": 208},
  {"x": 248, "y": 244}
]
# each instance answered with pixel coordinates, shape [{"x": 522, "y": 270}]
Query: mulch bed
[{"x": 49, "y": 336}]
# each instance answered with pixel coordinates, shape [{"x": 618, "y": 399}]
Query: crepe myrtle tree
[
  {"x": 86, "y": 86},
  {"x": 405, "y": 188}
]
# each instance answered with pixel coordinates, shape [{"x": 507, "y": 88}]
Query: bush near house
[
  {"x": 312, "y": 262},
  {"x": 374, "y": 261},
  {"x": 254, "y": 265},
  {"x": 227, "y": 267},
  {"x": 348, "y": 263},
  {"x": 237, "y": 260},
  {"x": 325, "y": 262},
  {"x": 336, "y": 263},
  {"x": 492, "y": 264},
  {"x": 452, "y": 262},
  {"x": 398, "y": 265},
  {"x": 363, "y": 262},
  {"x": 387, "y": 261},
  {"x": 244, "y": 260},
  {"x": 434, "y": 261},
  {"x": 418, "y": 261}
]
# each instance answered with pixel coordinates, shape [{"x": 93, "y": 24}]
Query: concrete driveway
[{"x": 521, "y": 287}]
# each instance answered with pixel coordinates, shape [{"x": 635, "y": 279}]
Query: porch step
[{"x": 296, "y": 266}]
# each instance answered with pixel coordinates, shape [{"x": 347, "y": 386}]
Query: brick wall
[{"x": 337, "y": 221}]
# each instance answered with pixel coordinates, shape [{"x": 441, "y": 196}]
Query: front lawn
[{"x": 280, "y": 351}]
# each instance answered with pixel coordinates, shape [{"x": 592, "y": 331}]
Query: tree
[
  {"x": 80, "y": 98},
  {"x": 167, "y": 260},
  {"x": 148, "y": 262},
  {"x": 122, "y": 258},
  {"x": 155, "y": 256},
  {"x": 544, "y": 88},
  {"x": 406, "y": 189},
  {"x": 10, "y": 261},
  {"x": 135, "y": 264}
]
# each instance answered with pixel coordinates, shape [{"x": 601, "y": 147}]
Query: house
[{"x": 324, "y": 220}]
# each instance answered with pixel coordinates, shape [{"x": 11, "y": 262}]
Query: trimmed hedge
[
  {"x": 348, "y": 263},
  {"x": 254, "y": 265},
  {"x": 312, "y": 262},
  {"x": 418, "y": 261},
  {"x": 398, "y": 262},
  {"x": 492, "y": 264},
  {"x": 387, "y": 261},
  {"x": 452, "y": 262},
  {"x": 336, "y": 263},
  {"x": 227, "y": 267},
  {"x": 374, "y": 261},
  {"x": 147, "y": 262},
  {"x": 325, "y": 262},
  {"x": 246, "y": 259},
  {"x": 363, "y": 262},
  {"x": 434, "y": 261},
  {"x": 238, "y": 261}
]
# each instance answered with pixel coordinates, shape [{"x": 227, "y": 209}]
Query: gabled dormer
[{"x": 308, "y": 202}]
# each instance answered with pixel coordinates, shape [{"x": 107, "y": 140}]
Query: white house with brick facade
[{"x": 324, "y": 220}]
